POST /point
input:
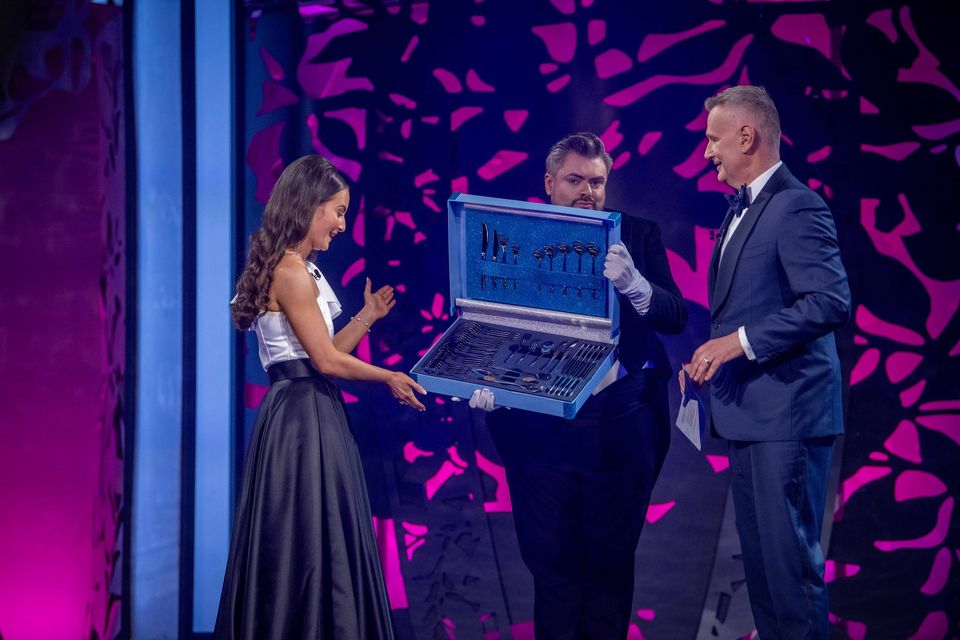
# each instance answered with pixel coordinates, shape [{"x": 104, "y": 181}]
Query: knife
[
  {"x": 483, "y": 250},
  {"x": 496, "y": 247}
]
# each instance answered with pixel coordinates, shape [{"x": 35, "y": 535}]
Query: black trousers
[{"x": 580, "y": 490}]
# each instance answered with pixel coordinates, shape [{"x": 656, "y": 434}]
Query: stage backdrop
[
  {"x": 416, "y": 100},
  {"x": 62, "y": 338}
]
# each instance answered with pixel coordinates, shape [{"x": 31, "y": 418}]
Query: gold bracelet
[{"x": 366, "y": 324}]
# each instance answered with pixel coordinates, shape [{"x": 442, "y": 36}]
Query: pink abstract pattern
[
  {"x": 386, "y": 533},
  {"x": 898, "y": 357},
  {"x": 654, "y": 43},
  {"x": 809, "y": 30}
]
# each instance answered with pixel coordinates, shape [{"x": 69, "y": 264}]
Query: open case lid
[{"x": 568, "y": 289}]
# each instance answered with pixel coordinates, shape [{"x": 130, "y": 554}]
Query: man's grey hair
[
  {"x": 582, "y": 143},
  {"x": 756, "y": 101}
]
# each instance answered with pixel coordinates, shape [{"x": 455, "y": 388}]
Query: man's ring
[
  {"x": 707, "y": 360},
  {"x": 401, "y": 402}
]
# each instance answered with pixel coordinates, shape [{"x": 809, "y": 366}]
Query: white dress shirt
[{"x": 753, "y": 189}]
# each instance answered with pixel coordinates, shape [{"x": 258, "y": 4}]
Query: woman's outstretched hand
[
  {"x": 377, "y": 303},
  {"x": 402, "y": 387}
]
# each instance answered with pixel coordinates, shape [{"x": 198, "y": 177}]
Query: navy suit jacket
[{"x": 781, "y": 279}]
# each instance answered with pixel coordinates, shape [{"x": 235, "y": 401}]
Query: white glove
[
  {"x": 481, "y": 399},
  {"x": 620, "y": 270}
]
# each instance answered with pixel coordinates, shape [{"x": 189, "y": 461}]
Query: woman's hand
[
  {"x": 402, "y": 387},
  {"x": 377, "y": 304}
]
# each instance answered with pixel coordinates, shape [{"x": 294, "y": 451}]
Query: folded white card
[{"x": 690, "y": 418}]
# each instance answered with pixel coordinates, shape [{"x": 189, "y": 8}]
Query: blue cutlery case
[{"x": 536, "y": 321}]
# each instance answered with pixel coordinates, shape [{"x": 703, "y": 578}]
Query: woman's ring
[{"x": 707, "y": 360}]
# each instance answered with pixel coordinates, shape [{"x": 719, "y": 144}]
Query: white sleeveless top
[{"x": 275, "y": 335}]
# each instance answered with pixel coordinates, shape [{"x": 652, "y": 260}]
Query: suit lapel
[
  {"x": 720, "y": 287},
  {"x": 715, "y": 256}
]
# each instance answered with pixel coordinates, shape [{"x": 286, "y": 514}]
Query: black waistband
[{"x": 290, "y": 369}]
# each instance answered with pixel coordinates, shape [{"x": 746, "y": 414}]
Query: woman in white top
[{"x": 303, "y": 559}]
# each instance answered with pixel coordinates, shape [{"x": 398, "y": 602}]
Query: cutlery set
[
  {"x": 507, "y": 254},
  {"x": 500, "y": 242},
  {"x": 535, "y": 362}
]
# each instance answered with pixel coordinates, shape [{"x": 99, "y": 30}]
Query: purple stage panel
[
  {"x": 62, "y": 330},
  {"x": 52, "y": 365}
]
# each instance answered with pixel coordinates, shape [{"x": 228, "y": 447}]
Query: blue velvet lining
[{"x": 519, "y": 279}]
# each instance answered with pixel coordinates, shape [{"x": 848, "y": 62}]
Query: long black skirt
[{"x": 303, "y": 557}]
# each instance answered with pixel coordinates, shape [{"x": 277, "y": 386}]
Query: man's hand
[
  {"x": 620, "y": 270},
  {"x": 710, "y": 355},
  {"x": 481, "y": 399}
]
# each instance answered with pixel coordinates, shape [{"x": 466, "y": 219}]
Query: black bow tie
[{"x": 739, "y": 201}]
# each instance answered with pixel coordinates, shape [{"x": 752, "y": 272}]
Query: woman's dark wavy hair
[{"x": 303, "y": 186}]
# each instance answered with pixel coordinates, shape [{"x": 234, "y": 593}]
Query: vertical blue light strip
[
  {"x": 155, "y": 518},
  {"x": 215, "y": 270}
]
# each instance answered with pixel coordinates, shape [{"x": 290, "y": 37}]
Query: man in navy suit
[{"x": 777, "y": 292}]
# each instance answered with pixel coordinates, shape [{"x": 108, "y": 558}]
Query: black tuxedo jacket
[{"x": 639, "y": 344}]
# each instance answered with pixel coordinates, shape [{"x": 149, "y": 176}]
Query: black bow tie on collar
[{"x": 739, "y": 201}]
